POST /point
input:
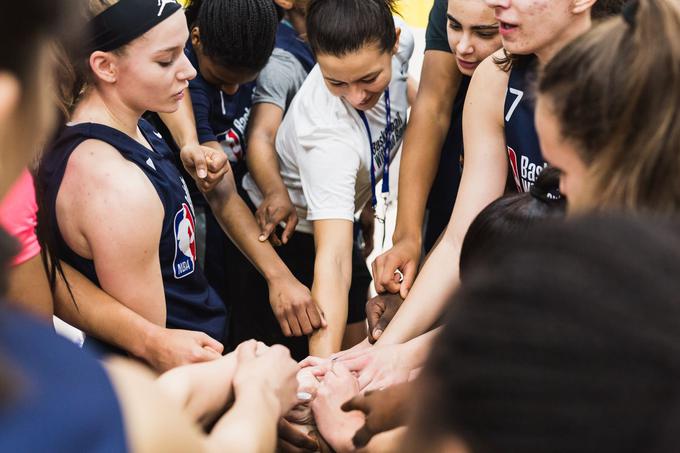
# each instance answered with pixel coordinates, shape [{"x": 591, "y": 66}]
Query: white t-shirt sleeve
[
  {"x": 406, "y": 43},
  {"x": 329, "y": 165}
]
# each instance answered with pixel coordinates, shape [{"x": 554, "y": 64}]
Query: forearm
[
  {"x": 263, "y": 165},
  {"x": 416, "y": 350},
  {"x": 249, "y": 426},
  {"x": 181, "y": 123},
  {"x": 201, "y": 390},
  {"x": 238, "y": 223},
  {"x": 330, "y": 290},
  {"x": 429, "y": 296},
  {"x": 419, "y": 163},
  {"x": 100, "y": 315}
]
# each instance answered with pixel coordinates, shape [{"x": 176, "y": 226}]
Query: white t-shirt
[{"x": 323, "y": 149}]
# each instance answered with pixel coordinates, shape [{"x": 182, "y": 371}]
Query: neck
[
  {"x": 107, "y": 109},
  {"x": 576, "y": 29},
  {"x": 297, "y": 20}
]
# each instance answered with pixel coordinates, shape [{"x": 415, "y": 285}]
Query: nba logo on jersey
[
  {"x": 185, "y": 242},
  {"x": 231, "y": 144}
]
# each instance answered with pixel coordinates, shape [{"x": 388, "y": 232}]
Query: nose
[
  {"x": 464, "y": 46},
  {"x": 355, "y": 95},
  {"x": 497, "y": 3},
  {"x": 230, "y": 88},
  {"x": 187, "y": 70}
]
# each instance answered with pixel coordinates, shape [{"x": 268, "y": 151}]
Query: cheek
[{"x": 484, "y": 48}]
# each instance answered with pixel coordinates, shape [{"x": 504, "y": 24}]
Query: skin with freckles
[{"x": 538, "y": 26}]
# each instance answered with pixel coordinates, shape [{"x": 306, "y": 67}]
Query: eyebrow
[
  {"x": 367, "y": 76},
  {"x": 168, "y": 49},
  {"x": 475, "y": 27}
]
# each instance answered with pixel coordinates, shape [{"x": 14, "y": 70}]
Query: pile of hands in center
[{"x": 344, "y": 400}]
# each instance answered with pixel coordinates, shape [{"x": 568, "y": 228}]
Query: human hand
[
  {"x": 337, "y": 427},
  {"x": 384, "y": 410},
  {"x": 269, "y": 375},
  {"x": 206, "y": 165},
  {"x": 379, "y": 312},
  {"x": 294, "y": 308},
  {"x": 165, "y": 349},
  {"x": 276, "y": 208},
  {"x": 404, "y": 257},
  {"x": 377, "y": 367},
  {"x": 297, "y": 429},
  {"x": 367, "y": 221}
]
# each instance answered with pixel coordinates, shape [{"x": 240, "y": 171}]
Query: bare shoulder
[
  {"x": 152, "y": 422},
  {"x": 97, "y": 173},
  {"x": 489, "y": 77}
]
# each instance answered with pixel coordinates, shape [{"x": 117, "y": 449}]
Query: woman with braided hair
[{"x": 230, "y": 42}]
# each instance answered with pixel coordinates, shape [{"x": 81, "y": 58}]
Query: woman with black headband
[
  {"x": 135, "y": 234},
  {"x": 55, "y": 397}
]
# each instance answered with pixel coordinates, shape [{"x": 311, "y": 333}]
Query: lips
[{"x": 469, "y": 65}]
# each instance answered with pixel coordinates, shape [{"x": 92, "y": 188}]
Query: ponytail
[{"x": 615, "y": 92}]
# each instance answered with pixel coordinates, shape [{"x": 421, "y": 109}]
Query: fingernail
[
  {"x": 202, "y": 173},
  {"x": 377, "y": 333},
  {"x": 304, "y": 396},
  {"x": 262, "y": 238}
]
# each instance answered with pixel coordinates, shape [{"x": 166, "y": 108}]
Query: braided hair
[{"x": 237, "y": 34}]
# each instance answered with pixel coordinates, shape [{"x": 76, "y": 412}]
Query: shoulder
[
  {"x": 97, "y": 176},
  {"x": 406, "y": 41},
  {"x": 489, "y": 76}
]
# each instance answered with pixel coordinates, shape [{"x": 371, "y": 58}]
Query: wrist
[
  {"x": 412, "y": 237},
  {"x": 150, "y": 334},
  {"x": 261, "y": 398}
]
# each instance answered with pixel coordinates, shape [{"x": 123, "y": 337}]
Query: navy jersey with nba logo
[
  {"x": 61, "y": 400},
  {"x": 191, "y": 303},
  {"x": 524, "y": 151}
]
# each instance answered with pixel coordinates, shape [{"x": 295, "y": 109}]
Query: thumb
[
  {"x": 409, "y": 277},
  {"x": 209, "y": 342},
  {"x": 267, "y": 230},
  {"x": 206, "y": 354},
  {"x": 196, "y": 159}
]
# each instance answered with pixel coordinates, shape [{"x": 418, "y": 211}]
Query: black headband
[{"x": 127, "y": 20}]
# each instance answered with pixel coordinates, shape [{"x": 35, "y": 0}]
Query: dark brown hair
[
  {"x": 615, "y": 92},
  {"x": 338, "y": 27}
]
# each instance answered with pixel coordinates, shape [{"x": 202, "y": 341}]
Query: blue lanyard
[{"x": 386, "y": 151}]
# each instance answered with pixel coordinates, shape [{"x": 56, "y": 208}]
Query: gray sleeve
[{"x": 280, "y": 80}]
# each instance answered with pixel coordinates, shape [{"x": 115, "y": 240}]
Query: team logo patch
[
  {"x": 231, "y": 144},
  {"x": 185, "y": 242},
  {"x": 515, "y": 168}
]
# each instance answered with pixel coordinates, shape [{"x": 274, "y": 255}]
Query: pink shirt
[{"x": 19, "y": 217}]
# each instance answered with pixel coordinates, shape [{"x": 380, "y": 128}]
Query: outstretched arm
[
  {"x": 332, "y": 279},
  {"x": 484, "y": 176},
  {"x": 425, "y": 134}
]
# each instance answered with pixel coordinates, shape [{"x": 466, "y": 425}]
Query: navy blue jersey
[
  {"x": 288, "y": 39},
  {"x": 220, "y": 117},
  {"x": 60, "y": 400},
  {"x": 524, "y": 151},
  {"x": 191, "y": 303}
]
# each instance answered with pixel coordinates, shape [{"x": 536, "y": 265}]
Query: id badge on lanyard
[{"x": 385, "y": 191}]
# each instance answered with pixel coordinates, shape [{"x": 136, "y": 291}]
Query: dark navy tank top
[
  {"x": 524, "y": 151},
  {"x": 61, "y": 400},
  {"x": 288, "y": 39},
  {"x": 191, "y": 303}
]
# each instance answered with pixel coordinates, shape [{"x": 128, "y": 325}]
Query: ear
[
  {"x": 582, "y": 6},
  {"x": 285, "y": 4},
  {"x": 196, "y": 37},
  {"x": 397, "y": 31},
  {"x": 10, "y": 94},
  {"x": 104, "y": 66}
]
